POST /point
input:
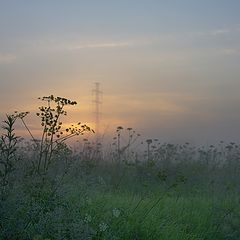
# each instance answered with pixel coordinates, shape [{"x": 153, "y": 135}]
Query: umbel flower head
[{"x": 103, "y": 227}]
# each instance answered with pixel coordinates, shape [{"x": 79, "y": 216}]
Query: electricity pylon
[{"x": 97, "y": 101}]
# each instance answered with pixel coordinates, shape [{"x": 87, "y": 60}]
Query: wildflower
[
  {"x": 87, "y": 218},
  {"x": 116, "y": 212},
  {"x": 88, "y": 200},
  {"x": 101, "y": 181},
  {"x": 103, "y": 227},
  {"x": 149, "y": 141}
]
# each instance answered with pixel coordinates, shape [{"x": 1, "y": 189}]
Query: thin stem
[
  {"x": 25, "y": 125},
  {"x": 41, "y": 149}
]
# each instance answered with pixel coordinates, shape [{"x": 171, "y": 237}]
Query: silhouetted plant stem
[{"x": 25, "y": 125}]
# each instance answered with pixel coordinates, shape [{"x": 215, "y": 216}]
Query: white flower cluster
[
  {"x": 88, "y": 200},
  {"x": 103, "y": 227},
  {"x": 116, "y": 212},
  {"x": 101, "y": 181},
  {"x": 87, "y": 218}
]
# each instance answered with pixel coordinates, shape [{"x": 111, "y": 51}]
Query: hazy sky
[{"x": 168, "y": 68}]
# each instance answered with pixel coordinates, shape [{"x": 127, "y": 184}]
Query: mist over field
[
  {"x": 119, "y": 120},
  {"x": 167, "y": 69}
]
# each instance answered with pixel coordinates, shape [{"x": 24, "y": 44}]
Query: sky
[{"x": 169, "y": 69}]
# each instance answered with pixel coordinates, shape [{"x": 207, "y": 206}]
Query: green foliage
[
  {"x": 8, "y": 147},
  {"x": 50, "y": 191}
]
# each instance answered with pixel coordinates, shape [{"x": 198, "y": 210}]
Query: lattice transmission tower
[{"x": 97, "y": 102}]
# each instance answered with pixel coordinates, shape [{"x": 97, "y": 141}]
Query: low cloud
[
  {"x": 230, "y": 51},
  {"x": 217, "y": 32},
  {"x": 7, "y": 58},
  {"x": 221, "y": 31},
  {"x": 100, "y": 45}
]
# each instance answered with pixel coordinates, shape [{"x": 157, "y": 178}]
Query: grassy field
[
  {"x": 97, "y": 203},
  {"x": 162, "y": 216},
  {"x": 169, "y": 191}
]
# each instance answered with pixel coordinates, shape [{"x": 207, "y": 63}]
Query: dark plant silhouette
[{"x": 53, "y": 133}]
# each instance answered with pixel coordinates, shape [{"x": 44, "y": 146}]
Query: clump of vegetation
[
  {"x": 8, "y": 147},
  {"x": 133, "y": 190}
]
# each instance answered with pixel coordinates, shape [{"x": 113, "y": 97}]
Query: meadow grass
[
  {"x": 195, "y": 216},
  {"x": 50, "y": 192}
]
